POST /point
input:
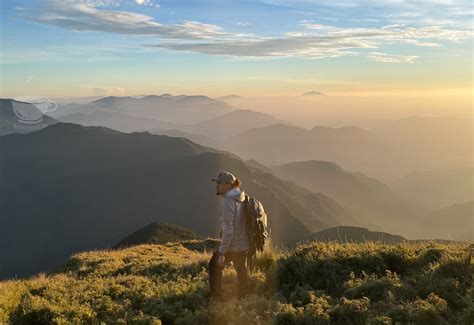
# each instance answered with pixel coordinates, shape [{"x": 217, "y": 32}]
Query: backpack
[{"x": 256, "y": 227}]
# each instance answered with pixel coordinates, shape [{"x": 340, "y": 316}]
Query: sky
[{"x": 64, "y": 48}]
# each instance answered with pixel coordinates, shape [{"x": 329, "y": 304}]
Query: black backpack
[{"x": 256, "y": 227}]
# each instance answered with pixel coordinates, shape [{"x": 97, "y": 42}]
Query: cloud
[
  {"x": 322, "y": 41},
  {"x": 391, "y": 58},
  {"x": 100, "y": 3},
  {"x": 311, "y": 39},
  {"x": 291, "y": 46},
  {"x": 146, "y": 3},
  {"x": 83, "y": 16}
]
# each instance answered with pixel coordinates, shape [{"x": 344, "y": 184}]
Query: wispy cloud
[
  {"x": 322, "y": 41},
  {"x": 100, "y": 3},
  {"x": 83, "y": 16},
  {"x": 391, "y": 58},
  {"x": 147, "y": 3},
  {"x": 311, "y": 40}
]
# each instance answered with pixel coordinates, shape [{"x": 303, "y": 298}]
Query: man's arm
[{"x": 228, "y": 212}]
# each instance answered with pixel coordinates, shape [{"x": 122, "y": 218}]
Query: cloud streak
[
  {"x": 311, "y": 40},
  {"x": 82, "y": 16},
  {"x": 322, "y": 41},
  {"x": 391, "y": 58}
]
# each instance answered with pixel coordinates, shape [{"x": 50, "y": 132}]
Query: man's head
[{"x": 225, "y": 181}]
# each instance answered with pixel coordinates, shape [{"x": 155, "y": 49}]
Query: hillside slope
[
  {"x": 318, "y": 283},
  {"x": 158, "y": 233},
  {"x": 345, "y": 234}
]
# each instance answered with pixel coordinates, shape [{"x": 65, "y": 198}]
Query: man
[{"x": 234, "y": 238}]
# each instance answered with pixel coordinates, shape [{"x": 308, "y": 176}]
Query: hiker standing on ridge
[{"x": 234, "y": 238}]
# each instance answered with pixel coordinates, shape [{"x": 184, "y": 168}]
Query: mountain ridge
[{"x": 118, "y": 182}]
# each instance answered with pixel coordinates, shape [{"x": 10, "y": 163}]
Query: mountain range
[
  {"x": 117, "y": 121},
  {"x": 455, "y": 222},
  {"x": 66, "y": 188},
  {"x": 375, "y": 204},
  {"x": 438, "y": 188},
  {"x": 195, "y": 116},
  {"x": 72, "y": 188},
  {"x": 387, "y": 153},
  {"x": 164, "y": 108},
  {"x": 350, "y": 147}
]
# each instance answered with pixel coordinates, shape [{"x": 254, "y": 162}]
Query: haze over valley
[
  {"x": 125, "y": 156},
  {"x": 316, "y": 158}
]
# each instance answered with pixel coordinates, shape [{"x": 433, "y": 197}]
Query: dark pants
[{"x": 215, "y": 272}]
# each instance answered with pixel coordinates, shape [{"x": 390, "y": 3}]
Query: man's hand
[{"x": 221, "y": 260}]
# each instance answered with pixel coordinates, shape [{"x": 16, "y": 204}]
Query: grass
[{"x": 317, "y": 283}]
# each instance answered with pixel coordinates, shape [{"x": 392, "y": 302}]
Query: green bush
[
  {"x": 318, "y": 283},
  {"x": 351, "y": 311}
]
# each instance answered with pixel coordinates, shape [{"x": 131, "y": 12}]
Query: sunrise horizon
[{"x": 71, "y": 49}]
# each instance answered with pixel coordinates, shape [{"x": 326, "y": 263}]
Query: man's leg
[
  {"x": 215, "y": 276},
  {"x": 238, "y": 260}
]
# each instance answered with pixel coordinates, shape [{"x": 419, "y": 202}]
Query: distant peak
[
  {"x": 229, "y": 97},
  {"x": 313, "y": 93}
]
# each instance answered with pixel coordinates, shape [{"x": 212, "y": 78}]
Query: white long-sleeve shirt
[{"x": 234, "y": 235}]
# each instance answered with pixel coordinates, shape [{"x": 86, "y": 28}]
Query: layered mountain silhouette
[
  {"x": 197, "y": 138},
  {"x": 372, "y": 201},
  {"x": 215, "y": 131},
  {"x": 436, "y": 189},
  {"x": 69, "y": 188},
  {"x": 455, "y": 222},
  {"x": 199, "y": 118},
  {"x": 352, "y": 148},
  {"x": 230, "y": 124},
  {"x": 116, "y": 121},
  {"x": 158, "y": 233},
  {"x": 164, "y": 108},
  {"x": 24, "y": 119}
]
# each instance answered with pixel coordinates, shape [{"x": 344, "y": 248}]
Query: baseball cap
[{"x": 225, "y": 177}]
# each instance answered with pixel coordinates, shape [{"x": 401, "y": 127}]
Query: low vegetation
[{"x": 317, "y": 283}]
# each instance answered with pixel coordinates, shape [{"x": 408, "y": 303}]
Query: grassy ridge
[{"x": 318, "y": 283}]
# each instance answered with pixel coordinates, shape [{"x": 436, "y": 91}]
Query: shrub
[
  {"x": 351, "y": 311},
  {"x": 372, "y": 286},
  {"x": 318, "y": 283}
]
